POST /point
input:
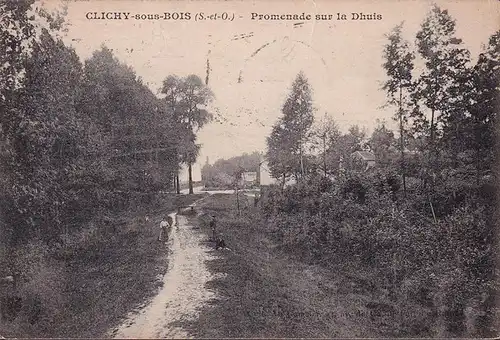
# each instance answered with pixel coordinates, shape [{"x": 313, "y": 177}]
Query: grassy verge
[
  {"x": 108, "y": 278},
  {"x": 266, "y": 293}
]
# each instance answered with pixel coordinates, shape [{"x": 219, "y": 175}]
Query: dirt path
[{"x": 183, "y": 291}]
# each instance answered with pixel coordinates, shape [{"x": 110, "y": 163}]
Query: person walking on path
[{"x": 164, "y": 224}]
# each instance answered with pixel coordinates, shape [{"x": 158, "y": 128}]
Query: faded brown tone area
[
  {"x": 252, "y": 63},
  {"x": 273, "y": 282}
]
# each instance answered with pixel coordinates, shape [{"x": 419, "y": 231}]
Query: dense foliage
[
  {"x": 287, "y": 142},
  {"x": 420, "y": 223},
  {"x": 78, "y": 143},
  {"x": 187, "y": 98},
  {"x": 224, "y": 172}
]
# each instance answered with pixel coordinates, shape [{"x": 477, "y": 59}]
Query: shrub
[
  {"x": 39, "y": 288},
  {"x": 444, "y": 266}
]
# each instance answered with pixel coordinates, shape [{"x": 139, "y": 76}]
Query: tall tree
[
  {"x": 286, "y": 144},
  {"x": 439, "y": 86},
  {"x": 44, "y": 134},
  {"x": 132, "y": 144},
  {"x": 326, "y": 137},
  {"x": 171, "y": 90},
  {"x": 279, "y": 150},
  {"x": 484, "y": 104},
  {"x": 399, "y": 65},
  {"x": 382, "y": 143},
  {"x": 188, "y": 99},
  {"x": 16, "y": 30},
  {"x": 348, "y": 143}
]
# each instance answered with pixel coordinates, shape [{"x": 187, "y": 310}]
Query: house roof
[{"x": 364, "y": 155}]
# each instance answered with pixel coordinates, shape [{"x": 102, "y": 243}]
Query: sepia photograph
[{"x": 249, "y": 169}]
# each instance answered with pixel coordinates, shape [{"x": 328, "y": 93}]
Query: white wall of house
[
  {"x": 265, "y": 175},
  {"x": 249, "y": 176}
]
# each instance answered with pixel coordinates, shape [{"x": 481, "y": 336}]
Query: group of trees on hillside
[
  {"x": 421, "y": 221},
  {"x": 224, "y": 173}
]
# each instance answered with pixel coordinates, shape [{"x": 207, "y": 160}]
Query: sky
[{"x": 341, "y": 58}]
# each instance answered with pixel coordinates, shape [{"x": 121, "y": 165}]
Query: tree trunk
[
  {"x": 177, "y": 183},
  {"x": 402, "y": 144},
  {"x": 456, "y": 148},
  {"x": 237, "y": 199},
  {"x": 301, "y": 164},
  {"x": 190, "y": 178},
  {"x": 433, "y": 156}
]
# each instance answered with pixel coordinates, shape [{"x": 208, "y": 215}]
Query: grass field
[
  {"x": 114, "y": 276},
  {"x": 264, "y": 292}
]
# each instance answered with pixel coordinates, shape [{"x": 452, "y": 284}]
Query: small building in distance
[
  {"x": 366, "y": 158},
  {"x": 249, "y": 178},
  {"x": 265, "y": 177}
]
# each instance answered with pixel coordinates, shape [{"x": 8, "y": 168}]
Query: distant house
[
  {"x": 367, "y": 158},
  {"x": 265, "y": 174},
  {"x": 249, "y": 178}
]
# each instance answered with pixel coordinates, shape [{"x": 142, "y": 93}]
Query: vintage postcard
[{"x": 249, "y": 169}]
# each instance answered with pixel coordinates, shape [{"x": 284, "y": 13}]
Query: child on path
[
  {"x": 213, "y": 226},
  {"x": 220, "y": 243},
  {"x": 164, "y": 224}
]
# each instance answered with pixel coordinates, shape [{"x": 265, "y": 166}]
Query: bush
[
  {"x": 39, "y": 288},
  {"x": 443, "y": 266}
]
